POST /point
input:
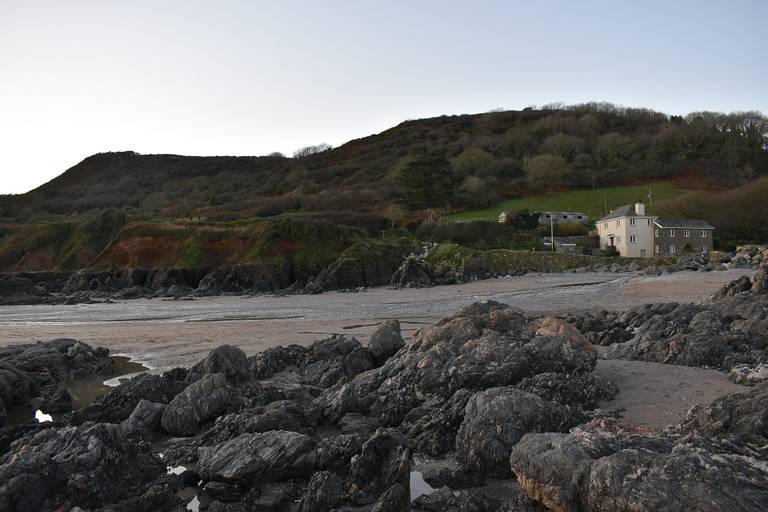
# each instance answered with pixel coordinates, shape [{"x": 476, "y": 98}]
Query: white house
[{"x": 629, "y": 230}]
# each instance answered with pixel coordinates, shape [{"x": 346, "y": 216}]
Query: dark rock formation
[
  {"x": 384, "y": 461},
  {"x": 258, "y": 458},
  {"x": 39, "y": 369},
  {"x": 412, "y": 273},
  {"x": 385, "y": 341},
  {"x": 605, "y": 467},
  {"x": 225, "y": 359},
  {"x": 145, "y": 418},
  {"x": 496, "y": 419},
  {"x": 448, "y": 500},
  {"x": 324, "y": 492},
  {"x": 201, "y": 401},
  {"x": 88, "y": 466}
]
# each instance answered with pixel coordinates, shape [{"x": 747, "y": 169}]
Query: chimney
[{"x": 639, "y": 208}]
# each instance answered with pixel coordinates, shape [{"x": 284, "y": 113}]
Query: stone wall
[{"x": 486, "y": 263}]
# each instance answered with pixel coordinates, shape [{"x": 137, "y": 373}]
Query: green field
[{"x": 591, "y": 202}]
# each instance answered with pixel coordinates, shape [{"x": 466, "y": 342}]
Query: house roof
[
  {"x": 559, "y": 213},
  {"x": 623, "y": 211},
  {"x": 683, "y": 223}
]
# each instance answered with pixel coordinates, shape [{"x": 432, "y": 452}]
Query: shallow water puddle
[
  {"x": 84, "y": 391},
  {"x": 419, "y": 486}
]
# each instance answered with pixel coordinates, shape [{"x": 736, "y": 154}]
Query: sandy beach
[{"x": 165, "y": 333}]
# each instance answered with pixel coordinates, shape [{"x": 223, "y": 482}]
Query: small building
[
  {"x": 563, "y": 218},
  {"x": 677, "y": 237},
  {"x": 629, "y": 230},
  {"x": 503, "y": 217},
  {"x": 572, "y": 244}
]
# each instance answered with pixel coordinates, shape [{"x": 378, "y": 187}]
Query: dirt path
[{"x": 657, "y": 395}]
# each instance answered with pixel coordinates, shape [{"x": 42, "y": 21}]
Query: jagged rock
[
  {"x": 222, "y": 491},
  {"x": 584, "y": 389},
  {"x": 324, "y": 492},
  {"x": 144, "y": 418},
  {"x": 225, "y": 359},
  {"x": 16, "y": 388},
  {"x": 447, "y": 500},
  {"x": 354, "y": 423},
  {"x": 385, "y": 341},
  {"x": 57, "y": 401},
  {"x": 335, "y": 453},
  {"x": 607, "y": 468},
  {"x": 412, "y": 273},
  {"x": 59, "y": 468},
  {"x": 761, "y": 279},
  {"x": 324, "y": 363},
  {"x": 199, "y": 402},
  {"x": 496, "y": 419},
  {"x": 484, "y": 345},
  {"x": 747, "y": 375},
  {"x": 383, "y": 462},
  {"x": 122, "y": 400},
  {"x": 432, "y": 426},
  {"x": 740, "y": 418},
  {"x": 394, "y": 499},
  {"x": 258, "y": 458}
]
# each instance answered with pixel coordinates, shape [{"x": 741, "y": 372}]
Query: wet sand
[{"x": 166, "y": 333}]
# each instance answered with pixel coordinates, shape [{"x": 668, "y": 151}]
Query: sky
[{"x": 253, "y": 77}]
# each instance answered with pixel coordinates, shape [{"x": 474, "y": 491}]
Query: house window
[
  {"x": 671, "y": 249},
  {"x": 618, "y": 222},
  {"x": 649, "y": 222},
  {"x": 632, "y": 239},
  {"x": 704, "y": 248},
  {"x": 656, "y": 249},
  {"x": 657, "y": 234},
  {"x": 686, "y": 233},
  {"x": 580, "y": 217},
  {"x": 618, "y": 239},
  {"x": 703, "y": 233},
  {"x": 631, "y": 222},
  {"x": 605, "y": 225},
  {"x": 672, "y": 232}
]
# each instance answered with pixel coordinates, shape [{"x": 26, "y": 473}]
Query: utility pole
[{"x": 552, "y": 231}]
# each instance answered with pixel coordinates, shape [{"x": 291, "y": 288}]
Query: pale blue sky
[{"x": 249, "y": 77}]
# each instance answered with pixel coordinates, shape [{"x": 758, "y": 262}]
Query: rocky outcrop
[
  {"x": 604, "y": 467},
  {"x": 727, "y": 330},
  {"x": 225, "y": 359},
  {"x": 414, "y": 272},
  {"x": 385, "y": 341},
  {"x": 496, "y": 419},
  {"x": 201, "y": 401},
  {"x": 87, "y": 466},
  {"x": 258, "y": 458},
  {"x": 39, "y": 370},
  {"x": 324, "y": 363}
]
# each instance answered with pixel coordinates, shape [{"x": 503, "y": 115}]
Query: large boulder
[
  {"x": 496, "y": 419},
  {"x": 604, "y": 467},
  {"x": 760, "y": 285},
  {"x": 201, "y": 401},
  {"x": 224, "y": 359},
  {"x": 145, "y": 418},
  {"x": 412, "y": 273},
  {"x": 258, "y": 458},
  {"x": 324, "y": 492},
  {"x": 384, "y": 461},
  {"x": 88, "y": 466},
  {"x": 385, "y": 341}
]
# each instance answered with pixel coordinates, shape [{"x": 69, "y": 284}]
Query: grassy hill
[
  {"x": 594, "y": 203},
  {"x": 448, "y": 162},
  {"x": 125, "y": 209}
]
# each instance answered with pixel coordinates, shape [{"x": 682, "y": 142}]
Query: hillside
[
  {"x": 454, "y": 162},
  {"x": 126, "y": 209},
  {"x": 595, "y": 203}
]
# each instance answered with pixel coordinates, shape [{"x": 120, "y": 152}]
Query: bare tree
[{"x": 311, "y": 150}]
